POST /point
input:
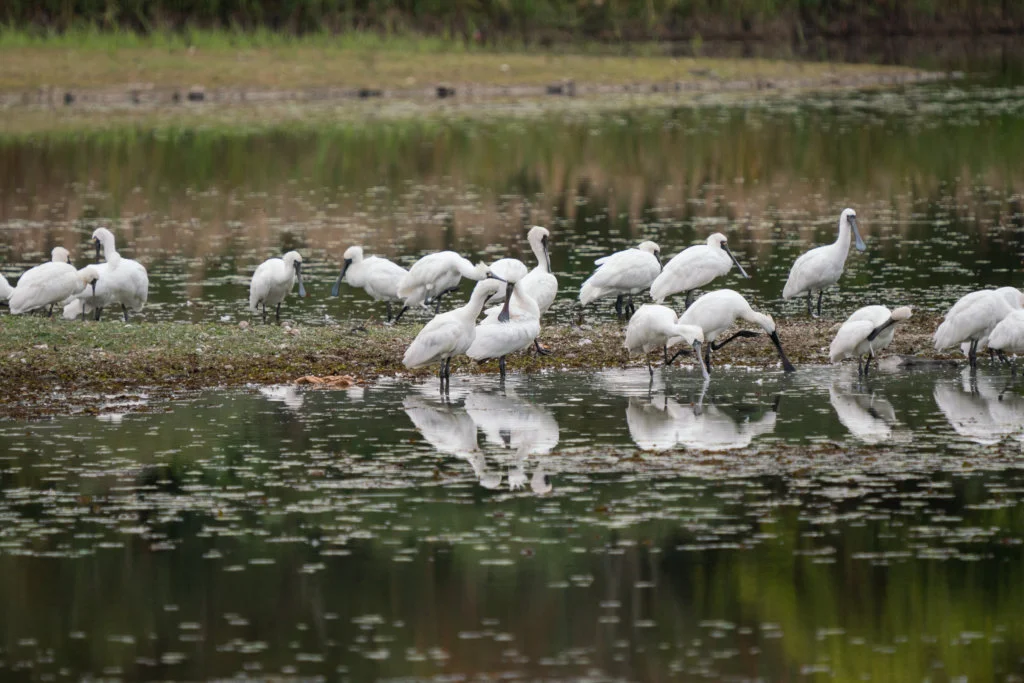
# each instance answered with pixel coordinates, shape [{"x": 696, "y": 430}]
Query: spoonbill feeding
[
  {"x": 450, "y": 334},
  {"x": 122, "y": 281},
  {"x": 623, "y": 274},
  {"x": 272, "y": 281},
  {"x": 435, "y": 275},
  {"x": 973, "y": 318},
  {"x": 496, "y": 337},
  {"x": 54, "y": 283},
  {"x": 377, "y": 276},
  {"x": 694, "y": 267},
  {"x": 865, "y": 333},
  {"x": 653, "y": 326},
  {"x": 716, "y": 311},
  {"x": 821, "y": 267}
]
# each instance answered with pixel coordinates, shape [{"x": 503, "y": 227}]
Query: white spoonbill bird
[
  {"x": 1012, "y": 295},
  {"x": 122, "y": 281},
  {"x": 865, "y": 333},
  {"x": 509, "y": 270},
  {"x": 272, "y": 281},
  {"x": 61, "y": 281},
  {"x": 716, "y": 311},
  {"x": 450, "y": 334},
  {"x": 974, "y": 317},
  {"x": 377, "y": 276},
  {"x": 435, "y": 275},
  {"x": 821, "y": 267},
  {"x": 694, "y": 267},
  {"x": 623, "y": 274},
  {"x": 5, "y": 289},
  {"x": 504, "y": 334},
  {"x": 653, "y": 326},
  {"x": 1008, "y": 335},
  {"x": 31, "y": 278}
]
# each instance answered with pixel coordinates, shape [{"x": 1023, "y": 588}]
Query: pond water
[
  {"x": 934, "y": 173},
  {"x": 584, "y": 526}
]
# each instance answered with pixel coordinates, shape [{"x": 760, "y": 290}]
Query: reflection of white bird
[
  {"x": 653, "y": 326},
  {"x": 435, "y": 275},
  {"x": 694, "y": 267},
  {"x": 287, "y": 394},
  {"x": 974, "y": 316},
  {"x": 513, "y": 422},
  {"x": 272, "y": 281},
  {"x": 377, "y": 276},
  {"x": 449, "y": 334},
  {"x": 869, "y": 417},
  {"x": 450, "y": 430},
  {"x": 979, "y": 409},
  {"x": 623, "y": 274},
  {"x": 497, "y": 337},
  {"x": 706, "y": 427},
  {"x": 652, "y": 422},
  {"x": 122, "y": 281},
  {"x": 716, "y": 311},
  {"x": 821, "y": 267},
  {"x": 865, "y": 333},
  {"x": 49, "y": 284}
]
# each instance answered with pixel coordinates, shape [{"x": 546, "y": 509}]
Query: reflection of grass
[
  {"x": 267, "y": 61},
  {"x": 38, "y": 353}
]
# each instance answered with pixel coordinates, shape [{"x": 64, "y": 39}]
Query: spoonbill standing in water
[
  {"x": 716, "y": 311},
  {"x": 865, "y": 333},
  {"x": 694, "y": 267},
  {"x": 33, "y": 281},
  {"x": 450, "y": 334},
  {"x": 435, "y": 275},
  {"x": 122, "y": 281},
  {"x": 821, "y": 267},
  {"x": 61, "y": 281},
  {"x": 272, "y": 281},
  {"x": 973, "y": 318},
  {"x": 377, "y": 276},
  {"x": 498, "y": 336},
  {"x": 623, "y": 274},
  {"x": 653, "y": 326}
]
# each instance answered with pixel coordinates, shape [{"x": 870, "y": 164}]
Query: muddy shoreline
[{"x": 50, "y": 367}]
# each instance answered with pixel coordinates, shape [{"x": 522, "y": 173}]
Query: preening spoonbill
[
  {"x": 509, "y": 270},
  {"x": 499, "y": 336},
  {"x": 695, "y": 267},
  {"x": 450, "y": 334},
  {"x": 1012, "y": 295},
  {"x": 653, "y": 326},
  {"x": 973, "y": 318},
  {"x": 716, "y": 311},
  {"x": 57, "y": 282},
  {"x": 623, "y": 274},
  {"x": 865, "y": 333},
  {"x": 272, "y": 281},
  {"x": 31, "y": 278},
  {"x": 435, "y": 275},
  {"x": 821, "y": 267},
  {"x": 122, "y": 281},
  {"x": 377, "y": 276}
]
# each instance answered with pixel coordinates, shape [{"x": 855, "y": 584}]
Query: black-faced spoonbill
[
  {"x": 865, "y": 333},
  {"x": 821, "y": 267},
  {"x": 973, "y": 317},
  {"x": 653, "y": 326},
  {"x": 715, "y": 312},
  {"x": 435, "y": 275},
  {"x": 122, "y": 281},
  {"x": 623, "y": 274},
  {"x": 498, "y": 336},
  {"x": 694, "y": 267},
  {"x": 450, "y": 334},
  {"x": 377, "y": 276},
  {"x": 272, "y": 281},
  {"x": 57, "y": 282}
]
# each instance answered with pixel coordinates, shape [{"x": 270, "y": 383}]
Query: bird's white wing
[
  {"x": 626, "y": 270},
  {"x": 689, "y": 269},
  {"x": 542, "y": 287},
  {"x": 809, "y": 271},
  {"x": 850, "y": 334},
  {"x": 494, "y": 341},
  {"x": 383, "y": 277},
  {"x": 439, "y": 339}
]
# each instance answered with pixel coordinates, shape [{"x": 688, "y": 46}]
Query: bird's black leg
[
  {"x": 50, "y": 313},
  {"x": 665, "y": 350},
  {"x": 650, "y": 368},
  {"x": 821, "y": 293},
  {"x": 540, "y": 349},
  {"x": 867, "y": 365},
  {"x": 277, "y": 313},
  {"x": 99, "y": 312},
  {"x": 440, "y": 375},
  {"x": 399, "y": 316},
  {"x": 810, "y": 311},
  {"x": 707, "y": 357},
  {"x": 741, "y": 333},
  {"x": 618, "y": 305},
  {"x": 501, "y": 366},
  {"x": 264, "y": 311},
  {"x": 972, "y": 354},
  {"x": 388, "y": 303},
  {"x": 630, "y": 308},
  {"x": 124, "y": 310},
  {"x": 860, "y": 366},
  {"x": 689, "y": 298}
]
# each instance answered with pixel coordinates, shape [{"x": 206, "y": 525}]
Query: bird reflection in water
[
  {"x": 864, "y": 411},
  {"x": 980, "y": 407}
]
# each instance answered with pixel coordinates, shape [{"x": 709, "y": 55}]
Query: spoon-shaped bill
[
  {"x": 733, "y": 257},
  {"x": 858, "y": 242},
  {"x": 786, "y": 365},
  {"x": 505, "y": 315},
  {"x": 341, "y": 276},
  {"x": 298, "y": 274}
]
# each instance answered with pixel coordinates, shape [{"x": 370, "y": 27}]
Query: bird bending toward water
[
  {"x": 377, "y": 276},
  {"x": 865, "y": 333},
  {"x": 61, "y": 281},
  {"x": 272, "y": 281},
  {"x": 435, "y": 275},
  {"x": 34, "y": 282},
  {"x": 653, "y": 326},
  {"x": 973, "y": 318},
  {"x": 623, "y": 274},
  {"x": 694, "y": 267},
  {"x": 122, "y": 281},
  {"x": 821, "y": 267}
]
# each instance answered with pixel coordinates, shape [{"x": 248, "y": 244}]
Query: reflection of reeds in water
[{"x": 405, "y": 187}]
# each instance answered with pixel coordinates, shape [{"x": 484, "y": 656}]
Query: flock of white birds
[{"x": 514, "y": 298}]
